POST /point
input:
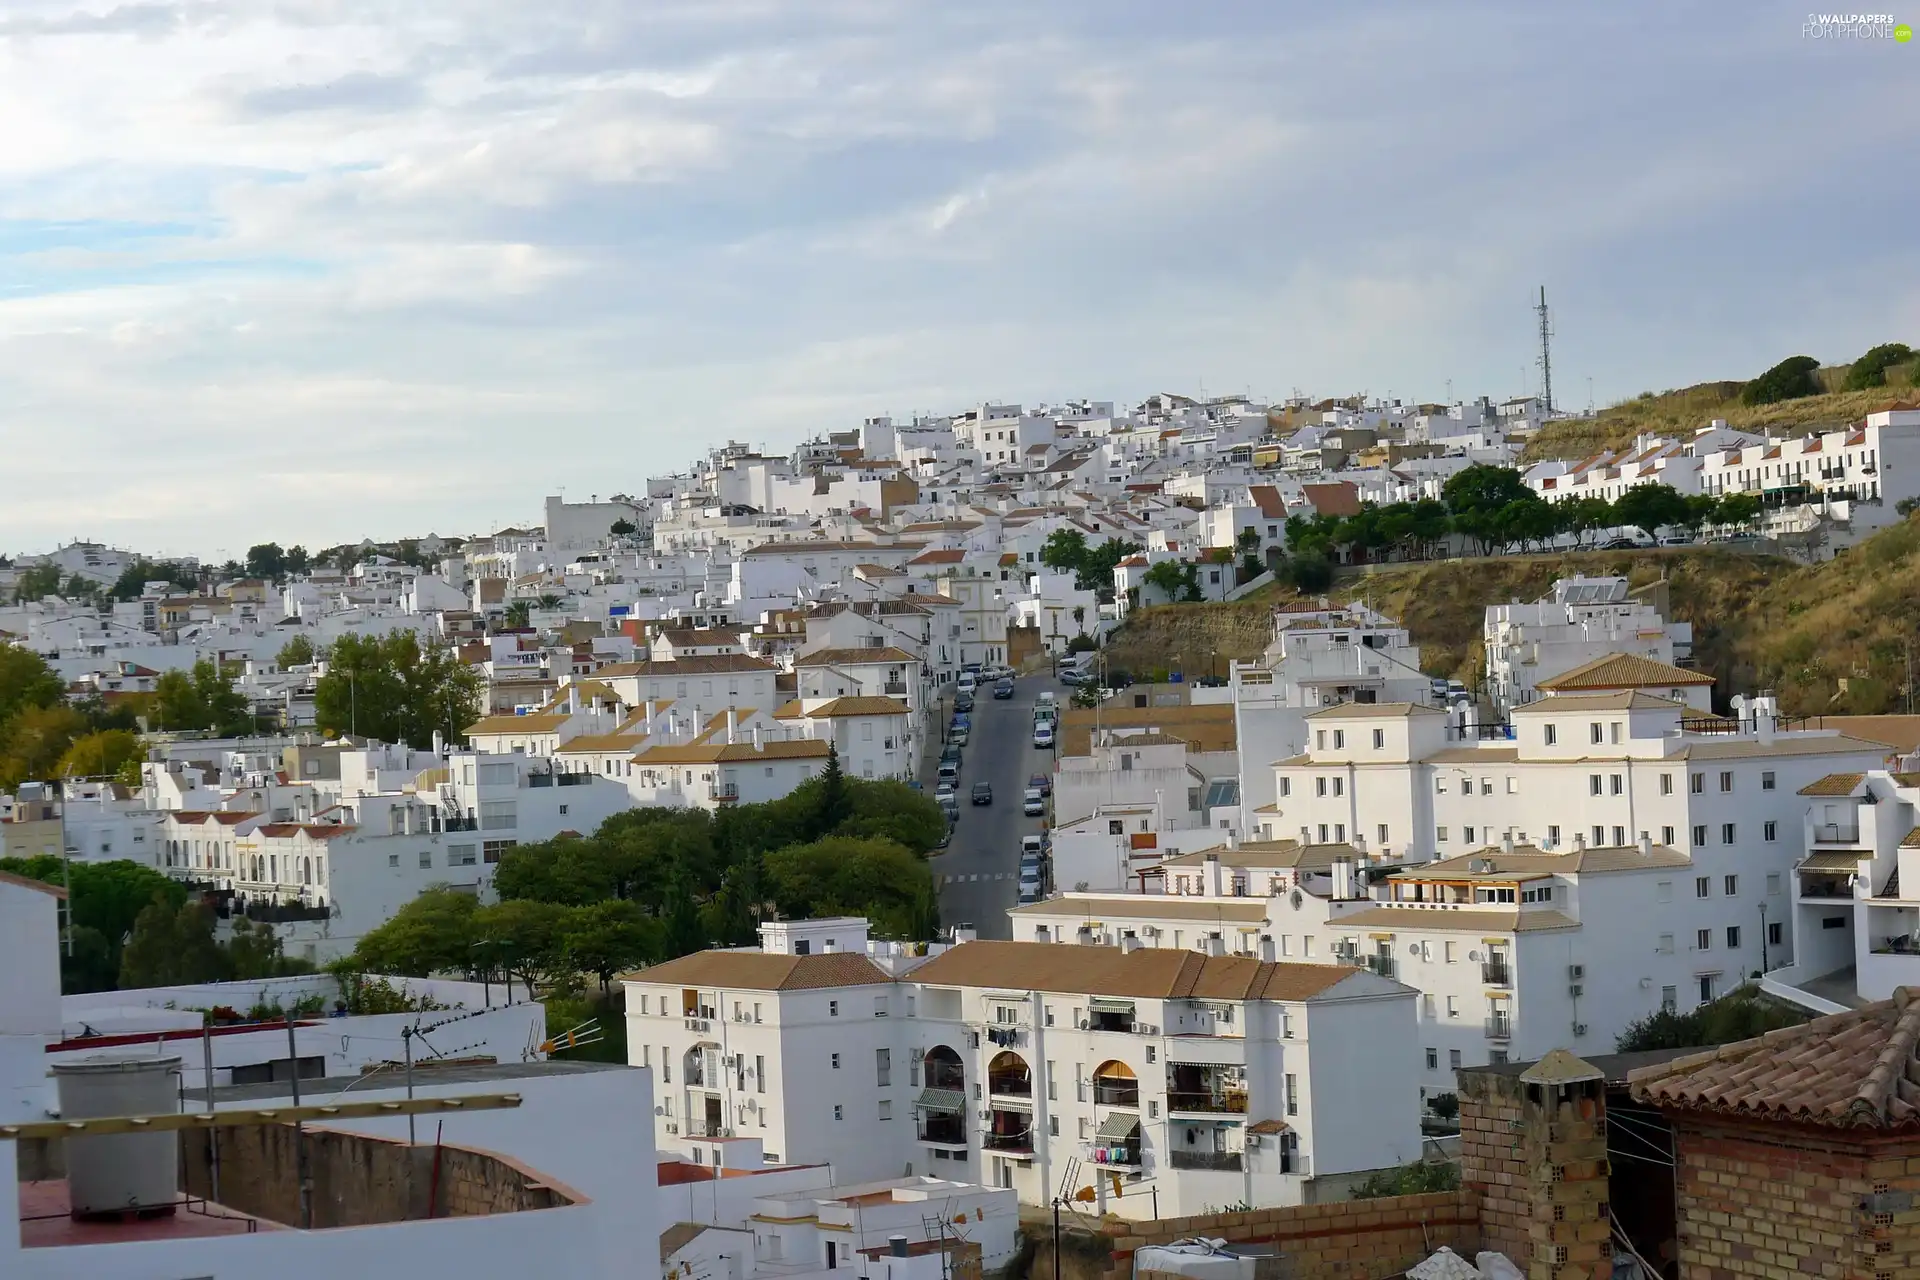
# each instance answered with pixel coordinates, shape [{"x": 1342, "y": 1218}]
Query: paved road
[{"x": 978, "y": 875}]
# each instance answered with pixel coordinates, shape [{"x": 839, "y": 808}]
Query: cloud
[{"x": 311, "y": 270}]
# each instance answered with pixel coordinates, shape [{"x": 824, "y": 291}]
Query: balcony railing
[
  {"x": 575, "y": 779},
  {"x": 1499, "y": 1028},
  {"x": 947, "y": 1129},
  {"x": 1022, "y": 1142},
  {"x": 952, "y": 1078},
  {"x": 1222, "y": 1103},
  {"x": 1116, "y": 1094},
  {"x": 1382, "y": 965},
  {"x": 1219, "y": 1161},
  {"x": 1010, "y": 1086},
  {"x": 1836, "y": 833},
  {"x": 459, "y": 824},
  {"x": 1826, "y": 887},
  {"x": 1496, "y": 973},
  {"x": 895, "y": 688}
]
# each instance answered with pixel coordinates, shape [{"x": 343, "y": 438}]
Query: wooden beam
[{"x": 315, "y": 1113}]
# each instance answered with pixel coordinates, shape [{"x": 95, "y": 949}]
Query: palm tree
[
  {"x": 550, "y": 601},
  {"x": 1080, "y": 618},
  {"x": 519, "y": 615}
]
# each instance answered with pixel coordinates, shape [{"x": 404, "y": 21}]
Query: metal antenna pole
[
  {"x": 213, "y": 1134},
  {"x": 406, "y": 1042},
  {"x": 299, "y": 1134},
  {"x": 1546, "y": 357}
]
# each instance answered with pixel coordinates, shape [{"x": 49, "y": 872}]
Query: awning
[
  {"x": 941, "y": 1100},
  {"x": 1269, "y": 1126},
  {"x": 1102, "y": 1004},
  {"x": 1832, "y": 861},
  {"x": 1119, "y": 1128}
]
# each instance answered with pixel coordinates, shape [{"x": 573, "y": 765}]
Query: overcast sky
[{"x": 311, "y": 270}]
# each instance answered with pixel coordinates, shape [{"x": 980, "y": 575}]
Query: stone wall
[
  {"x": 357, "y": 1180},
  {"x": 1350, "y": 1240},
  {"x": 1493, "y": 1160},
  {"x": 1769, "y": 1202}
]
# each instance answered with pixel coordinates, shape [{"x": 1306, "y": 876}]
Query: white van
[{"x": 967, "y": 683}]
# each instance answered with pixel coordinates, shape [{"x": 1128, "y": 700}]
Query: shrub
[
  {"x": 1413, "y": 1179},
  {"x": 1791, "y": 379}
]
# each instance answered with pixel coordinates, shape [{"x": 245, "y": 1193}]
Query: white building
[
  {"x": 1030, "y": 1065},
  {"x": 1583, "y": 621}
]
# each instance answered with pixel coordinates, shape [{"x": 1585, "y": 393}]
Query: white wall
[{"x": 1361, "y": 1108}]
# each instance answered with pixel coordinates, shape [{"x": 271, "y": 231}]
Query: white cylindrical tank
[{"x": 114, "y": 1173}]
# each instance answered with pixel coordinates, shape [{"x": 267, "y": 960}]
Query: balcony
[
  {"x": 1016, "y": 1143},
  {"x": 1216, "y": 1161},
  {"x": 1499, "y": 1028},
  {"x": 942, "y": 1128},
  {"x": 894, "y": 689},
  {"x": 1382, "y": 964},
  {"x": 575, "y": 779},
  {"x": 459, "y": 824},
  {"x": 1210, "y": 1102},
  {"x": 1117, "y": 1093},
  {"x": 1826, "y": 888},
  {"x": 1496, "y": 973},
  {"x": 724, "y": 794},
  {"x": 1847, "y": 833}
]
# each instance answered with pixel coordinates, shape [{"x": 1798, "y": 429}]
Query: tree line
[{"x": 651, "y": 884}]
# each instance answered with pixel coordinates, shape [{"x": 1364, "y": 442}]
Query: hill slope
[
  {"x": 1827, "y": 638},
  {"x": 1688, "y": 409}
]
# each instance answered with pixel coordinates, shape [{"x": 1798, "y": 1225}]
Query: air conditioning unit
[
  {"x": 672, "y": 1127},
  {"x": 1576, "y": 972},
  {"x": 1085, "y": 1025},
  {"x": 1576, "y": 990}
]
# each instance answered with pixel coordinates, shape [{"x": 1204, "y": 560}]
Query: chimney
[
  {"x": 1233, "y": 838},
  {"x": 897, "y": 1246},
  {"x": 733, "y": 724},
  {"x": 1084, "y": 935},
  {"x": 1579, "y": 842},
  {"x": 1041, "y": 934},
  {"x": 1306, "y": 837},
  {"x": 1646, "y": 845},
  {"x": 757, "y": 744},
  {"x": 650, "y": 715},
  {"x": 1216, "y": 945},
  {"x": 1215, "y": 888},
  {"x": 1506, "y": 842},
  {"x": 439, "y": 744},
  {"x": 1266, "y": 948},
  {"x": 966, "y": 933},
  {"x": 829, "y": 947},
  {"x": 1129, "y": 942},
  {"x": 1342, "y": 879},
  {"x": 573, "y": 699}
]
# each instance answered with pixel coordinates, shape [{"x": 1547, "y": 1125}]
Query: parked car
[
  {"x": 1044, "y": 781},
  {"x": 1043, "y": 736},
  {"x": 946, "y": 837},
  {"x": 949, "y": 774},
  {"x": 1032, "y": 847},
  {"x": 1003, "y": 690},
  {"x": 1032, "y": 803},
  {"x": 963, "y": 703},
  {"x": 967, "y": 682},
  {"x": 1071, "y": 677},
  {"x": 982, "y": 793},
  {"x": 958, "y": 735}
]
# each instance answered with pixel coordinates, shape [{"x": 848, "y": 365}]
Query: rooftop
[
  {"x": 1149, "y": 972},
  {"x": 1623, "y": 671}
]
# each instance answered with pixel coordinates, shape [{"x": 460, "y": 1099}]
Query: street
[{"x": 978, "y": 875}]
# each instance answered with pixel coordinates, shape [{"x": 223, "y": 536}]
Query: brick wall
[
  {"x": 357, "y": 1180},
  {"x": 1493, "y": 1160},
  {"x": 1350, "y": 1240},
  {"x": 1771, "y": 1202}
]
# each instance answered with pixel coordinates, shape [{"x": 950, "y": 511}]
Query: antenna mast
[{"x": 1546, "y": 357}]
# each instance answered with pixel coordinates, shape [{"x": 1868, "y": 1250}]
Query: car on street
[
  {"x": 958, "y": 735},
  {"x": 1071, "y": 677},
  {"x": 983, "y": 793},
  {"x": 946, "y": 837},
  {"x": 1033, "y": 803},
  {"x": 1003, "y": 690},
  {"x": 949, "y": 774},
  {"x": 963, "y": 703},
  {"x": 1031, "y": 847},
  {"x": 1043, "y": 735},
  {"x": 1044, "y": 781}
]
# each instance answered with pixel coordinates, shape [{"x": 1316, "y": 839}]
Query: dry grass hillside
[
  {"x": 1830, "y": 638},
  {"x": 1691, "y": 408}
]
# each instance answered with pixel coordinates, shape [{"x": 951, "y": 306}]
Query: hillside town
[{"x": 1261, "y": 933}]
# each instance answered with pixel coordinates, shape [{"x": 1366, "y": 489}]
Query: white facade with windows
[{"x": 1583, "y": 620}]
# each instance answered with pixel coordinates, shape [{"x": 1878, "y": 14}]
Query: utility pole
[
  {"x": 1546, "y": 356},
  {"x": 303, "y": 1177}
]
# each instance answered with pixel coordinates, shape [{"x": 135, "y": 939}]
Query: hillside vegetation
[
  {"x": 1689, "y": 409},
  {"x": 1829, "y": 638}
]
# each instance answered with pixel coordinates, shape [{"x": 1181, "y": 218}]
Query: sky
[{"x": 308, "y": 271}]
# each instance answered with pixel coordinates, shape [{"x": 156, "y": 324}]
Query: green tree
[
  {"x": 99, "y": 755},
  {"x": 1737, "y": 510},
  {"x": 434, "y": 933},
  {"x": 26, "y": 681},
  {"x": 519, "y": 615},
  {"x": 1791, "y": 379},
  {"x": 1175, "y": 579},
  {"x": 394, "y": 689},
  {"x": 1870, "y": 370},
  {"x": 266, "y": 560},
  {"x": 621, "y": 528},
  {"x": 1652, "y": 506},
  {"x": 524, "y": 938},
  {"x": 133, "y": 580},
  {"x": 171, "y": 945},
  {"x": 34, "y": 740},
  {"x": 608, "y": 937},
  {"x": 832, "y": 804},
  {"x": 37, "y": 583},
  {"x": 1309, "y": 573},
  {"x": 203, "y": 699},
  {"x": 1096, "y": 573},
  {"x": 1064, "y": 551},
  {"x": 297, "y": 559},
  {"x": 1741, "y": 1014},
  {"x": 844, "y": 876},
  {"x": 297, "y": 652}
]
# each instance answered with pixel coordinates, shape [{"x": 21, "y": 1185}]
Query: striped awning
[
  {"x": 1832, "y": 860},
  {"x": 1119, "y": 1128},
  {"x": 1104, "y": 1004},
  {"x": 941, "y": 1100}
]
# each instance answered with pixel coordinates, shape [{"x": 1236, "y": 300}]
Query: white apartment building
[
  {"x": 1032, "y": 1066},
  {"x": 1582, "y": 622}
]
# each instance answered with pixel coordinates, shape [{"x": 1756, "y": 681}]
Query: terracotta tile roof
[
  {"x": 1832, "y": 861},
  {"x": 1528, "y": 860},
  {"x": 1339, "y": 498},
  {"x": 1911, "y": 840},
  {"x": 1267, "y": 498},
  {"x": 949, "y": 555},
  {"x": 1623, "y": 671},
  {"x": 1269, "y": 1126},
  {"x": 314, "y": 830},
  {"x": 1848, "y": 1070},
  {"x": 1624, "y": 700},
  {"x": 1165, "y": 973},
  {"x": 759, "y": 971},
  {"x": 602, "y": 743},
  {"x": 852, "y": 657},
  {"x": 721, "y": 753},
  {"x": 1375, "y": 711},
  {"x": 1266, "y": 855},
  {"x": 1496, "y": 920},
  {"x": 1150, "y": 906},
  {"x": 1834, "y": 784},
  {"x": 518, "y": 724},
  {"x": 701, "y": 665},
  {"x": 1789, "y": 746},
  {"x": 1204, "y": 727}
]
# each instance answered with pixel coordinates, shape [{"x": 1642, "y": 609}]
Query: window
[
  {"x": 1775, "y": 934},
  {"x": 1593, "y": 784},
  {"x": 1433, "y": 1059},
  {"x": 839, "y": 1113},
  {"x": 393, "y": 860},
  {"x": 1599, "y": 836},
  {"x": 1614, "y": 785},
  {"x": 1619, "y": 837},
  {"x": 1427, "y": 1007},
  {"x": 1339, "y": 739},
  {"x": 1700, "y": 833},
  {"x": 1494, "y": 894},
  {"x": 1733, "y": 937},
  {"x": 426, "y": 859},
  {"x": 1726, "y": 780},
  {"x": 1323, "y": 833},
  {"x": 1731, "y": 886},
  {"x": 1766, "y": 780},
  {"x": 1453, "y": 1006},
  {"x": 1551, "y": 735},
  {"x": 1053, "y": 1124},
  {"x": 1669, "y": 999},
  {"x": 833, "y": 1008},
  {"x": 1773, "y": 885},
  {"x": 1320, "y": 786},
  {"x": 1666, "y": 836},
  {"x": 835, "y": 1060},
  {"x": 1453, "y": 1059},
  {"x": 1702, "y": 886},
  {"x": 497, "y": 814},
  {"x": 1439, "y": 785},
  {"x": 1466, "y": 833},
  {"x": 1665, "y": 946},
  {"x": 1440, "y": 834},
  {"x": 759, "y": 1072},
  {"x": 1553, "y": 836},
  {"x": 1286, "y": 787},
  {"x": 1613, "y": 732},
  {"x": 1381, "y": 832},
  {"x": 1293, "y": 1094},
  {"x": 1666, "y": 784},
  {"x": 1703, "y": 940},
  {"x": 883, "y": 1067},
  {"x": 886, "y": 1112},
  {"x": 1726, "y": 833},
  {"x": 1449, "y": 952},
  {"x": 1596, "y": 733},
  {"x": 879, "y": 1006},
  {"x": 490, "y": 850},
  {"x": 1319, "y": 739},
  {"x": 1513, "y": 785},
  {"x": 1697, "y": 783},
  {"x": 1379, "y": 739},
  {"x": 462, "y": 855},
  {"x": 1709, "y": 982}
]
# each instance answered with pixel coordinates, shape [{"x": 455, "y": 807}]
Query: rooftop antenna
[{"x": 1546, "y": 354}]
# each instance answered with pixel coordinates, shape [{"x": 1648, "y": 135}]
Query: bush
[
  {"x": 1082, "y": 644},
  {"x": 1870, "y": 370},
  {"x": 1739, "y": 1015},
  {"x": 1310, "y": 574},
  {"x": 1791, "y": 379},
  {"x": 1414, "y": 1179}
]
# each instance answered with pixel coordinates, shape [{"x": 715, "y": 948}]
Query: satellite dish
[
  {"x": 1474, "y": 956},
  {"x": 659, "y": 1111},
  {"x": 1413, "y": 949}
]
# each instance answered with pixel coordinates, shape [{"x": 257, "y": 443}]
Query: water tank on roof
[{"x": 112, "y": 1173}]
